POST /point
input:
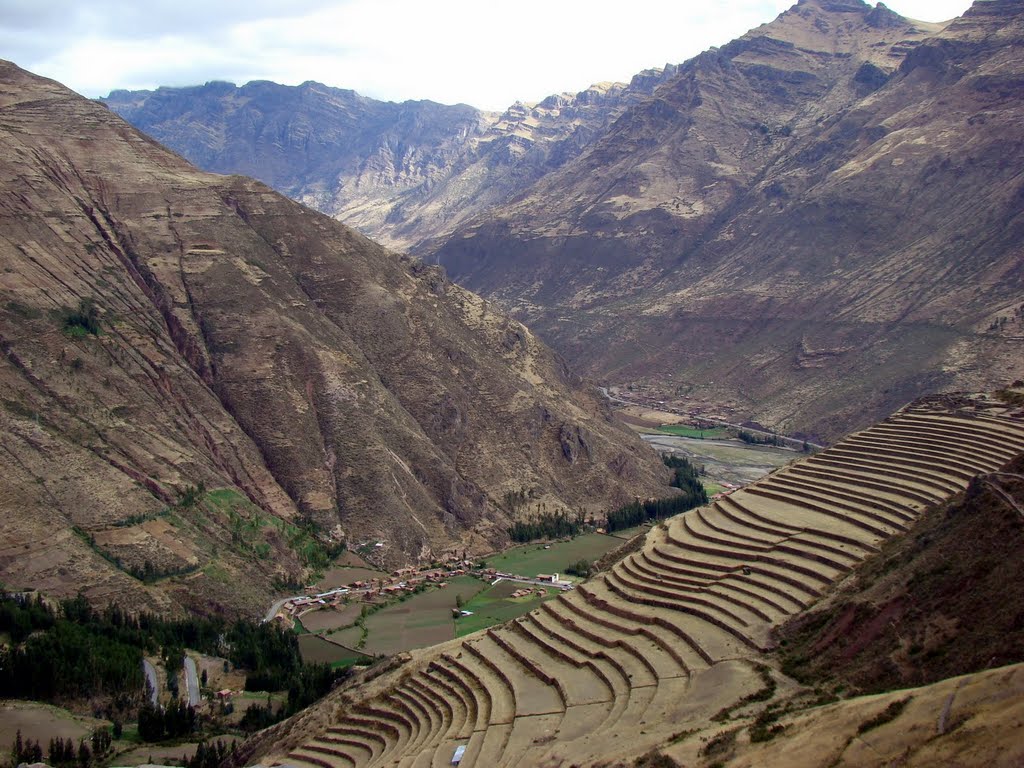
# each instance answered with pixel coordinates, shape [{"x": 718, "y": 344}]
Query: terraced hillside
[{"x": 676, "y": 631}]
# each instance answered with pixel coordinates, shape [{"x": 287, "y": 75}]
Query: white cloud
[{"x": 483, "y": 53}]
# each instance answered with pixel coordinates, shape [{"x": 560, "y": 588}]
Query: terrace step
[
  {"x": 419, "y": 722},
  {"x": 880, "y": 469},
  {"x": 710, "y": 637},
  {"x": 934, "y": 449},
  {"x": 706, "y": 568},
  {"x": 791, "y": 550},
  {"x": 453, "y": 716},
  {"x": 981, "y": 427},
  {"x": 346, "y": 749},
  {"x": 630, "y": 666},
  {"x": 866, "y": 520},
  {"x": 674, "y": 638},
  {"x": 943, "y": 474},
  {"x": 799, "y": 484},
  {"x": 458, "y": 698},
  {"x": 752, "y": 513},
  {"x": 476, "y": 692},
  {"x": 647, "y": 644},
  {"x": 532, "y": 695},
  {"x": 527, "y": 734},
  {"x": 727, "y": 608},
  {"x": 946, "y": 437},
  {"x": 301, "y": 756},
  {"x": 755, "y": 584},
  {"x": 491, "y": 680},
  {"x": 370, "y": 740},
  {"x": 824, "y": 523},
  {"x": 581, "y": 681},
  {"x": 383, "y": 722},
  {"x": 492, "y": 750},
  {"x": 859, "y": 482},
  {"x": 436, "y": 721},
  {"x": 759, "y": 603}
]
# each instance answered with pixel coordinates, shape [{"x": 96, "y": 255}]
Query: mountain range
[
  {"x": 808, "y": 226},
  {"x": 206, "y": 384}
]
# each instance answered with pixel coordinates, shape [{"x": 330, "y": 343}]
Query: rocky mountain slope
[
  {"x": 812, "y": 224},
  {"x": 400, "y": 173},
  {"x": 815, "y": 222},
  {"x": 201, "y": 378}
]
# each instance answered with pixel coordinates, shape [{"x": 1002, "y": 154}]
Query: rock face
[
  {"x": 401, "y": 173},
  {"x": 167, "y": 331},
  {"x": 817, "y": 222}
]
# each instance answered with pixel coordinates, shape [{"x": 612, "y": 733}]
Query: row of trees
[
  {"x": 547, "y": 525},
  {"x": 74, "y": 650},
  {"x": 173, "y": 721},
  {"x": 685, "y": 477},
  {"x": 62, "y": 753}
]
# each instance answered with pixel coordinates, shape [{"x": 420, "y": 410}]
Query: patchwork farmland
[{"x": 675, "y": 632}]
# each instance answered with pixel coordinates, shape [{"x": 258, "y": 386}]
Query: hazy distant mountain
[
  {"x": 165, "y": 330},
  {"x": 401, "y": 173}
]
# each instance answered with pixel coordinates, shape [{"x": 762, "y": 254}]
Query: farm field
[
  {"x": 41, "y": 722},
  {"x": 317, "y": 650},
  {"x": 531, "y": 559},
  {"x": 347, "y": 568},
  {"x": 329, "y": 618},
  {"x": 724, "y": 461},
  {"x": 495, "y": 605},
  {"x": 421, "y": 620},
  {"x": 713, "y": 433}
]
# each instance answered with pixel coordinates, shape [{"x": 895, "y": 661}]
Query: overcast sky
[{"x": 479, "y": 52}]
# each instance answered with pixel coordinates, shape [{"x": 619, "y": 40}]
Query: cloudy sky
[{"x": 479, "y": 52}]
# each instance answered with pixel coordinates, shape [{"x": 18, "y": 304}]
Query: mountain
[
  {"x": 813, "y": 224},
  {"x": 807, "y": 227},
  {"x": 206, "y": 386},
  {"x": 400, "y": 173}
]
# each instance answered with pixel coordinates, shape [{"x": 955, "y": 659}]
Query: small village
[{"x": 408, "y": 580}]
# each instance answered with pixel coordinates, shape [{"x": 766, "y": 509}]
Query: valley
[{"x": 670, "y": 422}]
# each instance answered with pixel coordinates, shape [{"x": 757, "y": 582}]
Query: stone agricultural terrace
[{"x": 671, "y": 634}]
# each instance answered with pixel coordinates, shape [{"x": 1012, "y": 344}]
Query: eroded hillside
[{"x": 203, "y": 376}]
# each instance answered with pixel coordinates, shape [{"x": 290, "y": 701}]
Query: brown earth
[{"x": 301, "y": 373}]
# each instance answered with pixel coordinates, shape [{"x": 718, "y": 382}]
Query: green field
[
  {"x": 494, "y": 606},
  {"x": 316, "y": 650},
  {"x": 420, "y": 620},
  {"x": 714, "y": 433},
  {"x": 531, "y": 559},
  {"x": 330, "y": 618}
]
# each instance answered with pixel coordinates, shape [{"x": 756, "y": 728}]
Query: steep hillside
[
  {"x": 401, "y": 173},
  {"x": 815, "y": 223},
  {"x": 671, "y": 649},
  {"x": 200, "y": 377}
]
